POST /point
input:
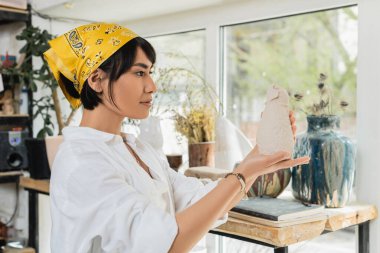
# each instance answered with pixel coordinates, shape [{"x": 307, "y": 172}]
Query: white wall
[
  {"x": 368, "y": 119},
  {"x": 8, "y": 40}
]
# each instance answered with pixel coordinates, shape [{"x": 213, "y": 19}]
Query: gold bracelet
[{"x": 241, "y": 179}]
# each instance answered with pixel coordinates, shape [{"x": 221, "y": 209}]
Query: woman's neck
[{"x": 102, "y": 119}]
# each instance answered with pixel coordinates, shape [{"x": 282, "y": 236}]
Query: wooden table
[{"x": 278, "y": 238}]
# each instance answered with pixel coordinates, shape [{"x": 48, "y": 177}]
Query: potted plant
[
  {"x": 328, "y": 178},
  {"x": 48, "y": 104},
  {"x": 194, "y": 112},
  {"x": 197, "y": 124}
]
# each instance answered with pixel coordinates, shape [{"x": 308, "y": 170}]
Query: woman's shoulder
[{"x": 76, "y": 156}]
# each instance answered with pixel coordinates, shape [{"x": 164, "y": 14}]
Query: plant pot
[
  {"x": 202, "y": 154},
  {"x": 271, "y": 185},
  {"x": 37, "y": 157},
  {"x": 328, "y": 178}
]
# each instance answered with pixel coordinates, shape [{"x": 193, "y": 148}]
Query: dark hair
[{"x": 116, "y": 65}]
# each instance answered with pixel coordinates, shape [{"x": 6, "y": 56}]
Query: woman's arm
[{"x": 195, "y": 221}]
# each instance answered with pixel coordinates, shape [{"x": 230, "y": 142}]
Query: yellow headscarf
[{"x": 79, "y": 52}]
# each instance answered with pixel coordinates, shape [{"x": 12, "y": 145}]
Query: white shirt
[{"x": 103, "y": 201}]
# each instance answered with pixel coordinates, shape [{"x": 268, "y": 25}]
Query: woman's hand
[{"x": 256, "y": 164}]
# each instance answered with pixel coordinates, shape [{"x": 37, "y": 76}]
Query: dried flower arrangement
[
  {"x": 197, "y": 124},
  {"x": 193, "y": 108},
  {"x": 325, "y": 104}
]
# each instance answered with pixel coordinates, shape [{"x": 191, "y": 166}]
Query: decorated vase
[
  {"x": 271, "y": 185},
  {"x": 328, "y": 178}
]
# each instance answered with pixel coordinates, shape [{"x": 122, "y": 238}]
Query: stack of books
[{"x": 277, "y": 212}]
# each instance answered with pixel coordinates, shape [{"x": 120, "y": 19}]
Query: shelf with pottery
[
  {"x": 335, "y": 219},
  {"x": 270, "y": 234}
]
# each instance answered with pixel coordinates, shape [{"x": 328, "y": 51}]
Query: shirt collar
[{"x": 88, "y": 133}]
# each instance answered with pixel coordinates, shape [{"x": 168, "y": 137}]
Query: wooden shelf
[
  {"x": 9, "y": 15},
  {"x": 14, "y": 120},
  {"x": 336, "y": 218},
  {"x": 39, "y": 185},
  {"x": 14, "y": 116},
  {"x": 15, "y": 10},
  {"x": 350, "y": 215},
  {"x": 10, "y": 176}
]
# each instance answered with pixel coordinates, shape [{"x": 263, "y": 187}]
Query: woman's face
[{"x": 133, "y": 91}]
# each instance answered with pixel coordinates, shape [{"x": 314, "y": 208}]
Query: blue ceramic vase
[{"x": 328, "y": 178}]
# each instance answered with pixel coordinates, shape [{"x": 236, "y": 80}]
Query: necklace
[
  {"x": 132, "y": 151},
  {"x": 143, "y": 166}
]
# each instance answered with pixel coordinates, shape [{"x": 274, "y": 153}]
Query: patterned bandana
[{"x": 79, "y": 52}]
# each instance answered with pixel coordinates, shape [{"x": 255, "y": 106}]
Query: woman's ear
[{"x": 95, "y": 80}]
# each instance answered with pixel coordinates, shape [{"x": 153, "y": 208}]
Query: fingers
[
  {"x": 256, "y": 150},
  {"x": 292, "y": 163},
  {"x": 276, "y": 158}
]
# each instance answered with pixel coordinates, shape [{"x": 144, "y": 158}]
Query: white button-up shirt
[{"x": 103, "y": 201}]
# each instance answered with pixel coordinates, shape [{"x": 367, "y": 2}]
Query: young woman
[{"x": 109, "y": 191}]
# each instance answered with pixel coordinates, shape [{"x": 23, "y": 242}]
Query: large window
[
  {"x": 291, "y": 52},
  {"x": 177, "y": 55}
]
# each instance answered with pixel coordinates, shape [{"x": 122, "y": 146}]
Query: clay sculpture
[{"x": 275, "y": 132}]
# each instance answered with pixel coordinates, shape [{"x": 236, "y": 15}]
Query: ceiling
[{"x": 119, "y": 10}]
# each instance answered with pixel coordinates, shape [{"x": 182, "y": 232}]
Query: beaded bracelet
[{"x": 241, "y": 179}]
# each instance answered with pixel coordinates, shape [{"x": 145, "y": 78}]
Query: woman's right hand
[{"x": 256, "y": 164}]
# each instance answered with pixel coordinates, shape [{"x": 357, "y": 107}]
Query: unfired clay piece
[{"x": 275, "y": 132}]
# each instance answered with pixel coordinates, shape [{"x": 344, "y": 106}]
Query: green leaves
[
  {"x": 44, "y": 106},
  {"x": 36, "y": 43}
]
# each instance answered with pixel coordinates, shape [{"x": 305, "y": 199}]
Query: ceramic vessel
[
  {"x": 270, "y": 185},
  {"x": 202, "y": 154},
  {"x": 329, "y": 176}
]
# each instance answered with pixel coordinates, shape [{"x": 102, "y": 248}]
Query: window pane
[
  {"x": 291, "y": 52},
  {"x": 175, "y": 52}
]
